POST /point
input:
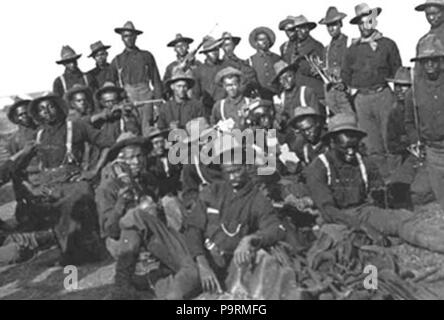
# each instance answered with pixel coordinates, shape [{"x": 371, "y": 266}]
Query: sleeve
[
  {"x": 94, "y": 136},
  {"x": 114, "y": 71},
  {"x": 162, "y": 121},
  {"x": 215, "y": 114},
  {"x": 346, "y": 69},
  {"x": 198, "y": 110},
  {"x": 313, "y": 101},
  {"x": 57, "y": 87},
  {"x": 270, "y": 228},
  {"x": 409, "y": 118},
  {"x": 155, "y": 77},
  {"x": 394, "y": 58},
  {"x": 5, "y": 172},
  {"x": 109, "y": 212},
  {"x": 190, "y": 186},
  {"x": 92, "y": 81}
]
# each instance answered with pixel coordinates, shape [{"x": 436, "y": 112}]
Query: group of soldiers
[{"x": 91, "y": 162}]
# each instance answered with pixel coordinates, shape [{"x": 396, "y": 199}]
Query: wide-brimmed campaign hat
[
  {"x": 280, "y": 68},
  {"x": 402, "y": 76},
  {"x": 67, "y": 55},
  {"x": 127, "y": 139},
  {"x": 228, "y": 71},
  {"x": 59, "y": 103},
  {"x": 343, "y": 122},
  {"x": 17, "y": 104},
  {"x": 180, "y": 75},
  {"x": 364, "y": 10},
  {"x": 179, "y": 38},
  {"x": 156, "y": 132},
  {"x": 429, "y": 47},
  {"x": 428, "y": 3},
  {"x": 332, "y": 15},
  {"x": 260, "y": 106},
  {"x": 228, "y": 36},
  {"x": 210, "y": 44},
  {"x": 262, "y": 30},
  {"x": 302, "y": 21},
  {"x": 96, "y": 47},
  {"x": 77, "y": 88},
  {"x": 108, "y": 87},
  {"x": 128, "y": 26},
  {"x": 287, "y": 23},
  {"x": 304, "y": 112}
]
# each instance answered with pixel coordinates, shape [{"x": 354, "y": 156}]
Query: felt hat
[
  {"x": 127, "y": 139},
  {"x": 67, "y": 55},
  {"x": 343, "y": 122},
  {"x": 179, "y": 38},
  {"x": 17, "y": 104},
  {"x": 128, "y": 26},
  {"x": 228, "y": 71},
  {"x": 428, "y": 3},
  {"x": 364, "y": 10},
  {"x": 332, "y": 15},
  {"x": 402, "y": 76},
  {"x": 96, "y": 47},
  {"x": 262, "y": 30},
  {"x": 58, "y": 101}
]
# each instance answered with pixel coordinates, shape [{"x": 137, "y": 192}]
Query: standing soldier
[
  {"x": 262, "y": 39},
  {"x": 368, "y": 63},
  {"x": 288, "y": 48},
  {"x": 424, "y": 110},
  {"x": 181, "y": 46},
  {"x": 102, "y": 72},
  {"x": 72, "y": 74},
  {"x": 249, "y": 83},
  {"x": 137, "y": 72},
  {"x": 336, "y": 96},
  {"x": 305, "y": 46},
  {"x": 434, "y": 12}
]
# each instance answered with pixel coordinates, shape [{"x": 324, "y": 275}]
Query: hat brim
[
  {"x": 15, "y": 106},
  {"x": 164, "y": 134},
  {"x": 291, "y": 67},
  {"x": 419, "y": 58},
  {"x": 271, "y": 35},
  {"x": 101, "y": 91},
  {"x": 284, "y": 23},
  {"x": 356, "y": 19},
  {"x": 176, "y": 41},
  {"x": 329, "y": 135},
  {"x": 74, "y": 58},
  {"x": 219, "y": 78},
  {"x": 191, "y": 82},
  {"x": 93, "y": 53},
  {"x": 68, "y": 95},
  {"x": 424, "y": 6},
  {"x": 339, "y": 17},
  {"x": 310, "y": 25},
  {"x": 293, "y": 120},
  {"x": 236, "y": 40},
  {"x": 61, "y": 104},
  {"x": 122, "y": 30},
  {"x": 117, "y": 148}
]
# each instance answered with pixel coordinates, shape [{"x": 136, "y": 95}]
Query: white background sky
[{"x": 33, "y": 32}]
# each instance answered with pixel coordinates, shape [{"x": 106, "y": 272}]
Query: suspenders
[
  {"x": 362, "y": 167},
  {"x": 222, "y": 108},
  {"x": 199, "y": 172},
  {"x": 302, "y": 99},
  {"x": 65, "y": 86}
]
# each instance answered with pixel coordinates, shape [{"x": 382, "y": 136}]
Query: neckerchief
[{"x": 372, "y": 40}]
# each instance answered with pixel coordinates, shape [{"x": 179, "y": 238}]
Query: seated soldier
[
  {"x": 80, "y": 102},
  {"x": 234, "y": 106},
  {"x": 58, "y": 201},
  {"x": 340, "y": 182}
]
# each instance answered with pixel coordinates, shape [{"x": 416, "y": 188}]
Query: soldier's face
[
  {"x": 231, "y": 86},
  {"x": 109, "y": 99},
  {"x": 158, "y": 146},
  {"x": 22, "y": 116},
  {"x": 180, "y": 89},
  {"x": 48, "y": 112},
  {"x": 228, "y": 47},
  {"x": 334, "y": 29},
  {"x": 129, "y": 39},
  {"x": 134, "y": 157},
  {"x": 432, "y": 67},
  {"x": 181, "y": 49},
  {"x": 401, "y": 90},
  {"x": 288, "y": 80},
  {"x": 263, "y": 42},
  {"x": 236, "y": 174},
  {"x": 213, "y": 56},
  {"x": 434, "y": 15},
  {"x": 80, "y": 103},
  {"x": 100, "y": 57},
  {"x": 346, "y": 145},
  {"x": 302, "y": 33},
  {"x": 263, "y": 118},
  {"x": 365, "y": 28},
  {"x": 71, "y": 65},
  {"x": 310, "y": 129},
  {"x": 291, "y": 33}
]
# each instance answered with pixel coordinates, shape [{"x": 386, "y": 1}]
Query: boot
[
  {"x": 425, "y": 236},
  {"x": 123, "y": 286}
]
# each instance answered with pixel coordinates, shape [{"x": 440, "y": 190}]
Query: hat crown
[
  {"x": 97, "y": 45},
  {"x": 301, "y": 20},
  {"x": 227, "y": 34},
  {"x": 209, "y": 42},
  {"x": 179, "y": 36},
  {"x": 305, "y": 111},
  {"x": 129, "y": 25},
  {"x": 403, "y": 75},
  {"x": 342, "y": 120},
  {"x": 67, "y": 52},
  {"x": 179, "y": 73},
  {"x": 431, "y": 45},
  {"x": 125, "y": 136},
  {"x": 362, "y": 9},
  {"x": 279, "y": 66},
  {"x": 108, "y": 84}
]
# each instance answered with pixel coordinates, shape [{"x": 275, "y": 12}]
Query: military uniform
[
  {"x": 299, "y": 96},
  {"x": 230, "y": 109},
  {"x": 181, "y": 113},
  {"x": 249, "y": 82},
  {"x": 262, "y": 63},
  {"x": 68, "y": 79},
  {"x": 102, "y": 75}
]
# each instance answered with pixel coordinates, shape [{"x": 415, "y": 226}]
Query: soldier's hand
[
  {"x": 207, "y": 276},
  {"x": 243, "y": 253}
]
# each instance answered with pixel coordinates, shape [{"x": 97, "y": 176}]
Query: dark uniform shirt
[
  {"x": 182, "y": 113},
  {"x": 205, "y": 88},
  {"x": 429, "y": 96},
  {"x": 335, "y": 53},
  {"x": 397, "y": 139},
  {"x": 293, "y": 52},
  {"x": 364, "y": 68},
  {"x": 225, "y": 217},
  {"x": 103, "y": 75},
  {"x": 169, "y": 69},
  {"x": 299, "y": 96},
  {"x": 232, "y": 108},
  {"x": 347, "y": 188},
  {"x": 167, "y": 175},
  {"x": 263, "y": 63},
  {"x": 134, "y": 67},
  {"x": 71, "y": 79}
]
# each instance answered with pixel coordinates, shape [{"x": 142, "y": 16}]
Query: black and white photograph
[{"x": 225, "y": 153}]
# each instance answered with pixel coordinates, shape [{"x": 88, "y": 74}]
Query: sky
[{"x": 33, "y": 32}]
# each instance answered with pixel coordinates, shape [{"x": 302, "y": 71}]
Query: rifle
[{"x": 416, "y": 150}]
